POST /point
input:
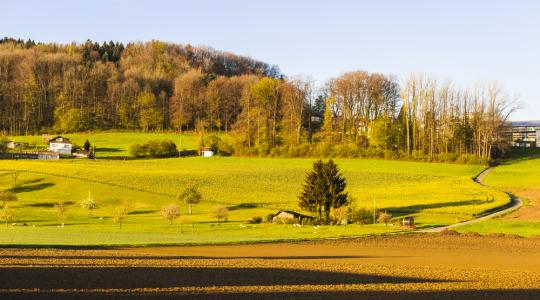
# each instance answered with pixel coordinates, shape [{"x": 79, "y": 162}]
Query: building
[
  {"x": 207, "y": 153},
  {"x": 288, "y": 216},
  {"x": 60, "y": 145},
  {"x": 525, "y": 134},
  {"x": 19, "y": 145}
]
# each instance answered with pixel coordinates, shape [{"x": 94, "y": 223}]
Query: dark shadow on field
[
  {"x": 112, "y": 150},
  {"x": 31, "y": 187},
  {"x": 167, "y": 277},
  {"x": 46, "y": 204},
  {"x": 289, "y": 257},
  {"x": 250, "y": 205},
  {"x": 141, "y": 212},
  {"x": 494, "y": 294},
  {"x": 405, "y": 210}
]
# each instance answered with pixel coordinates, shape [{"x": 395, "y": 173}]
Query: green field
[
  {"x": 520, "y": 176},
  {"x": 116, "y": 143},
  {"x": 436, "y": 194}
]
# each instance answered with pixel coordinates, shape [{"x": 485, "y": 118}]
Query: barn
[{"x": 289, "y": 216}]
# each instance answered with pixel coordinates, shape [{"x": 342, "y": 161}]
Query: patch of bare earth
[
  {"x": 393, "y": 267},
  {"x": 531, "y": 211}
]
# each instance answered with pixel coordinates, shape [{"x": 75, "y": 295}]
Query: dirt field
[{"x": 395, "y": 267}]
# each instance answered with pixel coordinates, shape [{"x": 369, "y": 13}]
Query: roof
[
  {"x": 525, "y": 123},
  {"x": 63, "y": 140},
  {"x": 296, "y": 214}
]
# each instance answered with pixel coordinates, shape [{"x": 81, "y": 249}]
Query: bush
[
  {"x": 269, "y": 218},
  {"x": 362, "y": 216},
  {"x": 255, "y": 220},
  {"x": 154, "y": 148}
]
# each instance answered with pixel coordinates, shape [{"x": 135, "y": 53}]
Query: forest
[{"x": 159, "y": 86}]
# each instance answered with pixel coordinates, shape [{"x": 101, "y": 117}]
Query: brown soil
[
  {"x": 531, "y": 211},
  {"x": 394, "y": 267}
]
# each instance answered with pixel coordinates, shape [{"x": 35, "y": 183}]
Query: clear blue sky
[{"x": 462, "y": 40}]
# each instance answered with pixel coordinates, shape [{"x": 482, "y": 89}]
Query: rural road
[{"x": 515, "y": 203}]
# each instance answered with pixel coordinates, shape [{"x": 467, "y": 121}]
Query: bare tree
[
  {"x": 221, "y": 213},
  {"x": 6, "y": 214},
  {"x": 7, "y": 196},
  {"x": 61, "y": 213},
  {"x": 121, "y": 214},
  {"x": 14, "y": 176},
  {"x": 88, "y": 203},
  {"x": 170, "y": 212}
]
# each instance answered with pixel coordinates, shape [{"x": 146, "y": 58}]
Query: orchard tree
[
  {"x": 221, "y": 213},
  {"x": 190, "y": 196},
  {"x": 88, "y": 203},
  {"x": 61, "y": 213},
  {"x": 323, "y": 190},
  {"x": 170, "y": 212},
  {"x": 7, "y": 196},
  {"x": 6, "y": 214},
  {"x": 121, "y": 214}
]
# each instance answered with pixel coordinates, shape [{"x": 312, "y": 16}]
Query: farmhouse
[
  {"x": 60, "y": 145},
  {"x": 287, "y": 216},
  {"x": 525, "y": 134}
]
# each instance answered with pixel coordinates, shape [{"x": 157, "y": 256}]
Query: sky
[{"x": 463, "y": 41}]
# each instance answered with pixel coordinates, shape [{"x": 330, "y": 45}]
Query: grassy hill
[{"x": 435, "y": 193}]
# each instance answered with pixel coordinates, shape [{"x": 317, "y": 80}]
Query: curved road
[{"x": 515, "y": 203}]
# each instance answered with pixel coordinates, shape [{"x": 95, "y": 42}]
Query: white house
[
  {"x": 207, "y": 153},
  {"x": 60, "y": 145}
]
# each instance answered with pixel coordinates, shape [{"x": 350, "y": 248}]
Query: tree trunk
[{"x": 189, "y": 209}]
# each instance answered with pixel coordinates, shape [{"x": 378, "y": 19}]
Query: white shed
[{"x": 207, "y": 153}]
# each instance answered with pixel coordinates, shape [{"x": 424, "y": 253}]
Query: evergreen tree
[{"x": 324, "y": 189}]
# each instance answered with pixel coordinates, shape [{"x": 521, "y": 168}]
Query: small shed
[
  {"x": 289, "y": 216},
  {"x": 60, "y": 145},
  {"x": 408, "y": 222},
  {"x": 207, "y": 153},
  {"x": 14, "y": 145}
]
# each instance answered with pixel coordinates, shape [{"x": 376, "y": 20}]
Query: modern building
[{"x": 525, "y": 134}]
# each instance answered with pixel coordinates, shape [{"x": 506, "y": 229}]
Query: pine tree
[{"x": 324, "y": 188}]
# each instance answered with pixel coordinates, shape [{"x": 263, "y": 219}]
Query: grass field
[
  {"x": 436, "y": 194},
  {"x": 520, "y": 176},
  {"x": 116, "y": 143},
  {"x": 392, "y": 267}
]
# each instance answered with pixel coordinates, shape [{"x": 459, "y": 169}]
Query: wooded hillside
[{"x": 156, "y": 86}]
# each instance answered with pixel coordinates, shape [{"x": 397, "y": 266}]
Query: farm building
[
  {"x": 207, "y": 153},
  {"x": 288, "y": 216},
  {"x": 13, "y": 145},
  {"x": 60, "y": 145},
  {"x": 525, "y": 134}
]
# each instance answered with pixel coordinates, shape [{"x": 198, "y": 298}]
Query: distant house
[
  {"x": 60, "y": 145},
  {"x": 288, "y": 216},
  {"x": 13, "y": 145},
  {"x": 207, "y": 153}
]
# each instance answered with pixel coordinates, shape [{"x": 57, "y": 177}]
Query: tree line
[{"x": 156, "y": 86}]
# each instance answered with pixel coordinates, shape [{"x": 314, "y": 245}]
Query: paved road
[{"x": 515, "y": 203}]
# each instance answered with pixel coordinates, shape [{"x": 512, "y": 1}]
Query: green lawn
[{"x": 436, "y": 194}]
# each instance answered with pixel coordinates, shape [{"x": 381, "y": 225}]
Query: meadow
[
  {"x": 115, "y": 144},
  {"x": 521, "y": 177},
  {"x": 436, "y": 194}
]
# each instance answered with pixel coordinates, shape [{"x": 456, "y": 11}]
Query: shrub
[
  {"x": 384, "y": 217},
  {"x": 154, "y": 148},
  {"x": 255, "y": 220},
  {"x": 362, "y": 216},
  {"x": 269, "y": 218},
  {"x": 449, "y": 232}
]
